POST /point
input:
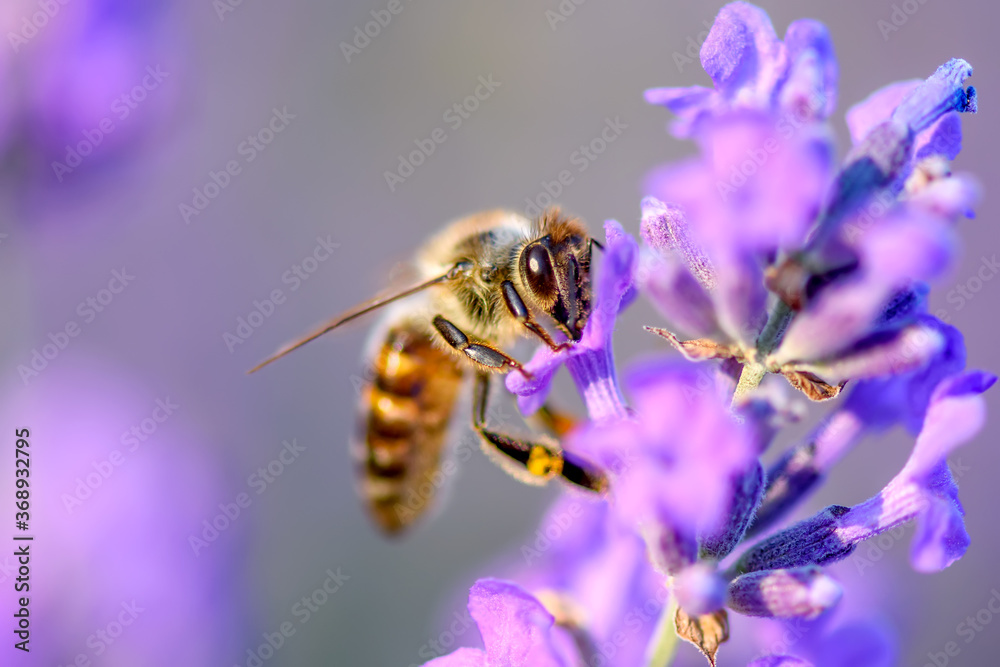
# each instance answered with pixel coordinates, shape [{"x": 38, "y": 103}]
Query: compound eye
[{"x": 541, "y": 277}]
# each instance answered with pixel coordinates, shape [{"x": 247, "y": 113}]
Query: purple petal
[
  {"x": 877, "y": 108},
  {"x": 940, "y": 538},
  {"x": 943, "y": 138},
  {"x": 956, "y": 414},
  {"x": 904, "y": 398},
  {"x": 532, "y": 392},
  {"x": 894, "y": 253},
  {"x": 925, "y": 489},
  {"x": 804, "y": 592},
  {"x": 811, "y": 88},
  {"x": 514, "y": 625},
  {"x": 888, "y": 353},
  {"x": 742, "y": 54},
  {"x": 941, "y": 93},
  {"x": 679, "y": 99},
  {"x": 690, "y": 105},
  {"x": 676, "y": 294},
  {"x": 665, "y": 228},
  {"x": 950, "y": 197},
  {"x": 617, "y": 272}
]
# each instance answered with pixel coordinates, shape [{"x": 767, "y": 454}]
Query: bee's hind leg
[{"x": 533, "y": 462}]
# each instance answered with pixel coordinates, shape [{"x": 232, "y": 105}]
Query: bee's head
[{"x": 555, "y": 269}]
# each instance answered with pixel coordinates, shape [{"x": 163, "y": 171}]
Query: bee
[{"x": 480, "y": 284}]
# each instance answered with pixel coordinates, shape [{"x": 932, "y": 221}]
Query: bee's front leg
[
  {"x": 480, "y": 353},
  {"x": 516, "y": 307},
  {"x": 540, "y": 462}
]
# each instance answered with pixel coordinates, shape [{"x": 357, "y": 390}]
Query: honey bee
[{"x": 481, "y": 282}]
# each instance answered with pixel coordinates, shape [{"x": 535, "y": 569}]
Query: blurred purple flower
[
  {"x": 515, "y": 627},
  {"x": 675, "y": 460},
  {"x": 594, "y": 576},
  {"x": 117, "y": 580},
  {"x": 82, "y": 76}
]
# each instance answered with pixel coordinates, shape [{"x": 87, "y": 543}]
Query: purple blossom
[{"x": 753, "y": 70}]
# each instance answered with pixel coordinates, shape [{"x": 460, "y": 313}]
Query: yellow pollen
[{"x": 543, "y": 463}]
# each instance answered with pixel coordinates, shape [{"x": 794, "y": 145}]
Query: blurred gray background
[{"x": 323, "y": 175}]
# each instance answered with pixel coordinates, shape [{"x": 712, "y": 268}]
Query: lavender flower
[{"x": 778, "y": 263}]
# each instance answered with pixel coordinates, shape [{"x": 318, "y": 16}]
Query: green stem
[
  {"x": 663, "y": 643},
  {"x": 754, "y": 371}
]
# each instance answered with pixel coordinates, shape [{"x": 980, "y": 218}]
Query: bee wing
[
  {"x": 352, "y": 314},
  {"x": 405, "y": 409}
]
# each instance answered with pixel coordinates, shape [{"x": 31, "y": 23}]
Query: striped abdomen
[{"x": 404, "y": 417}]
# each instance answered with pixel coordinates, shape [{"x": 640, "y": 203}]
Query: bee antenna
[{"x": 363, "y": 309}]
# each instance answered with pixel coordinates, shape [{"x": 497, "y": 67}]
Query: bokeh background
[{"x": 143, "y": 424}]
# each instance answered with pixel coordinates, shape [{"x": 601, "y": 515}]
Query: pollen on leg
[{"x": 544, "y": 463}]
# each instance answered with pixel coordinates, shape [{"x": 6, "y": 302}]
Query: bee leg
[
  {"x": 541, "y": 462},
  {"x": 515, "y": 304},
  {"x": 482, "y": 354}
]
